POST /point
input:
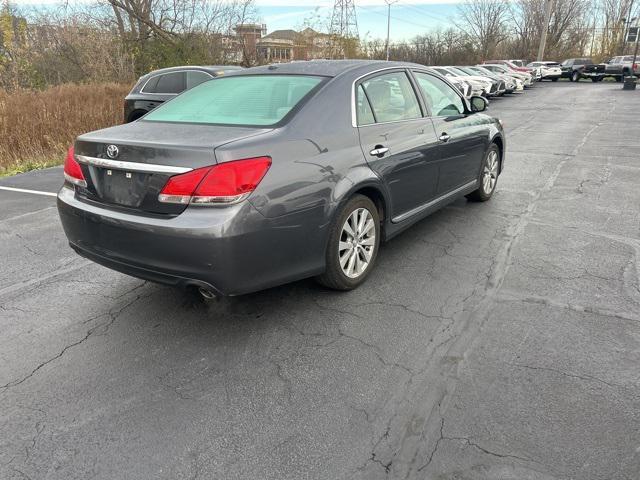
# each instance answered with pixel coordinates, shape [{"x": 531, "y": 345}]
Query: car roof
[
  {"x": 206, "y": 68},
  {"x": 327, "y": 68}
]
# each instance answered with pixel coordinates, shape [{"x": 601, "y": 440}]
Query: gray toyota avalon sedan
[{"x": 277, "y": 173}]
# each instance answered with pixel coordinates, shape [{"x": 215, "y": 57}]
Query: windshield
[
  {"x": 458, "y": 71},
  {"x": 468, "y": 71},
  {"x": 237, "y": 100},
  {"x": 483, "y": 71},
  {"x": 444, "y": 72}
]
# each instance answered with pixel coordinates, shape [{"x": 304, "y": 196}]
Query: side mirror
[{"x": 478, "y": 104}]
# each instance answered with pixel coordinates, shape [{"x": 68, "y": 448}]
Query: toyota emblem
[{"x": 112, "y": 151}]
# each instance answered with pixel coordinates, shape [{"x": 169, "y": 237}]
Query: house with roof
[{"x": 288, "y": 45}]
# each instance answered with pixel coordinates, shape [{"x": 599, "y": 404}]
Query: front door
[{"x": 462, "y": 137}]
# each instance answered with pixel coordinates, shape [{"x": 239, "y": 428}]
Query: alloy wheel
[
  {"x": 490, "y": 173},
  {"x": 357, "y": 243}
]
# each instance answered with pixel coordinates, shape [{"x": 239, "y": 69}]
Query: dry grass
[{"x": 37, "y": 127}]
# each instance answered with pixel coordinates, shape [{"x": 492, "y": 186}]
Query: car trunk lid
[{"x": 125, "y": 167}]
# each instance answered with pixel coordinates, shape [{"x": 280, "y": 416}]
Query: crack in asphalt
[
  {"x": 37, "y": 282},
  {"x": 566, "y": 374},
  {"x": 386, "y": 466},
  {"x": 470, "y": 443},
  {"x": 25, "y": 244},
  {"x": 28, "y": 214},
  {"x": 510, "y": 296},
  {"x": 473, "y": 317},
  {"x": 113, "y": 315}
]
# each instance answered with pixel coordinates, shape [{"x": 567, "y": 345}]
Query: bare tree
[
  {"x": 486, "y": 22},
  {"x": 614, "y": 16},
  {"x": 568, "y": 29}
]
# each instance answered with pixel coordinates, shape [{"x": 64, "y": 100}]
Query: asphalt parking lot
[{"x": 493, "y": 341}]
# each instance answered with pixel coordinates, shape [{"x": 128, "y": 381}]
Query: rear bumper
[
  {"x": 232, "y": 250},
  {"x": 164, "y": 278}
]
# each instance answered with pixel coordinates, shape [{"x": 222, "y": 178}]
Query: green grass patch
[{"x": 30, "y": 164}]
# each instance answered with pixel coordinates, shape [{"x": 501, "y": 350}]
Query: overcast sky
[{"x": 409, "y": 17}]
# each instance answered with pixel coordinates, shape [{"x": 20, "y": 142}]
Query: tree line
[{"x": 118, "y": 40}]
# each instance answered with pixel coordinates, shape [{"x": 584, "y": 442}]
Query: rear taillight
[
  {"x": 72, "y": 171},
  {"x": 221, "y": 184}
]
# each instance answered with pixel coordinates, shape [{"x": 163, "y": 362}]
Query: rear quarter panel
[{"x": 316, "y": 163}]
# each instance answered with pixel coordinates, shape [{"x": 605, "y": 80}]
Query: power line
[
  {"x": 415, "y": 8},
  {"x": 394, "y": 18}
]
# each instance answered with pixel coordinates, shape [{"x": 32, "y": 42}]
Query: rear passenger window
[
  {"x": 150, "y": 86},
  {"x": 392, "y": 98},
  {"x": 196, "y": 78},
  {"x": 170, "y": 83}
]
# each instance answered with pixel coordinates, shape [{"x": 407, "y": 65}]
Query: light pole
[{"x": 389, "y": 3}]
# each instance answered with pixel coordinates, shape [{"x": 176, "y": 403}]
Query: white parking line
[{"x": 24, "y": 190}]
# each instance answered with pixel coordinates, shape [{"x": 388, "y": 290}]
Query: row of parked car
[
  {"x": 490, "y": 79},
  {"x": 576, "y": 69}
]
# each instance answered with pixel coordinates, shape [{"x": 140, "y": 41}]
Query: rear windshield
[{"x": 237, "y": 100}]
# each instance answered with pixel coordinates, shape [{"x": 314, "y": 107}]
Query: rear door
[
  {"x": 161, "y": 88},
  {"x": 462, "y": 139},
  {"x": 398, "y": 142}
]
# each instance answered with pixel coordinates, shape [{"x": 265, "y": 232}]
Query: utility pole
[
  {"x": 626, "y": 22},
  {"x": 545, "y": 28},
  {"x": 635, "y": 51},
  {"x": 593, "y": 34},
  {"x": 389, "y": 3}
]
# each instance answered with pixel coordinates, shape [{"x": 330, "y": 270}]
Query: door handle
[
  {"x": 379, "y": 151},
  {"x": 444, "y": 137}
]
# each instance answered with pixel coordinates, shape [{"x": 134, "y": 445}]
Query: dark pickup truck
[
  {"x": 619, "y": 67},
  {"x": 576, "y": 68}
]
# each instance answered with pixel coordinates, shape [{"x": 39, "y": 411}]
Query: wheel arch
[{"x": 375, "y": 191}]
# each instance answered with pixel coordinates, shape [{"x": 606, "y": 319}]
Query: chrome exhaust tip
[{"x": 206, "y": 294}]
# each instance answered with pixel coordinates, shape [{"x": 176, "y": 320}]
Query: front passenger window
[
  {"x": 441, "y": 99},
  {"x": 392, "y": 97}
]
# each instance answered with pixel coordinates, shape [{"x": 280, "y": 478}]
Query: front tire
[
  {"x": 353, "y": 245},
  {"x": 575, "y": 77},
  {"x": 488, "y": 175}
]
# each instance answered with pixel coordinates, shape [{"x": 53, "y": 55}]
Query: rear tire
[
  {"x": 488, "y": 175},
  {"x": 353, "y": 245},
  {"x": 554, "y": 79}
]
